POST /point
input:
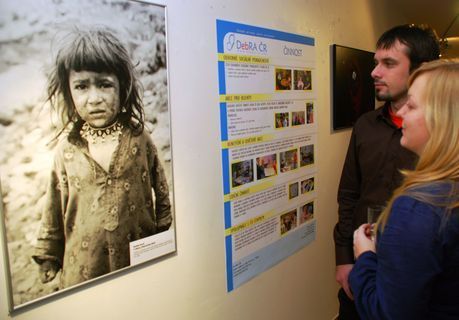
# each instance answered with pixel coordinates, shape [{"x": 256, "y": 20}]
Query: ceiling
[{"x": 441, "y": 15}]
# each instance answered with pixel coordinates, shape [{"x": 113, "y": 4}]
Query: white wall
[{"x": 191, "y": 284}]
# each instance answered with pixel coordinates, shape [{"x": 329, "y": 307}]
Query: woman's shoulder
[
  {"x": 427, "y": 205},
  {"x": 412, "y": 221},
  {"x": 408, "y": 203},
  {"x": 437, "y": 193},
  {"x": 437, "y": 187},
  {"x": 415, "y": 206}
]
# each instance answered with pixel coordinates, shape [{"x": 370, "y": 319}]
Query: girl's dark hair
[
  {"x": 96, "y": 50},
  {"x": 422, "y": 43}
]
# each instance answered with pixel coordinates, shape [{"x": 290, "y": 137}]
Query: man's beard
[
  {"x": 383, "y": 97},
  {"x": 388, "y": 97}
]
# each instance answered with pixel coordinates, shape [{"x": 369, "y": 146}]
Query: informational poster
[{"x": 268, "y": 111}]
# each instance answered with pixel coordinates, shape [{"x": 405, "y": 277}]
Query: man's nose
[{"x": 376, "y": 73}]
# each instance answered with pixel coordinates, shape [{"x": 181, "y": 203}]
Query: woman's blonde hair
[{"x": 439, "y": 162}]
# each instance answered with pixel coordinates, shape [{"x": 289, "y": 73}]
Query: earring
[{"x": 123, "y": 110}]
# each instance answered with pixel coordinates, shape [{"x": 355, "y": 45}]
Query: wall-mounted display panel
[{"x": 268, "y": 123}]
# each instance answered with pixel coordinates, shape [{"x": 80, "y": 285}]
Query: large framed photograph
[
  {"x": 86, "y": 165},
  {"x": 353, "y": 89}
]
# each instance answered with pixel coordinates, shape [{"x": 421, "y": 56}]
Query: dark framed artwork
[
  {"x": 73, "y": 212},
  {"x": 352, "y": 86}
]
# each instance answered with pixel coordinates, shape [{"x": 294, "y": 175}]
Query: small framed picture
[{"x": 353, "y": 90}]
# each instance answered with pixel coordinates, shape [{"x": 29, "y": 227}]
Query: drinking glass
[{"x": 373, "y": 213}]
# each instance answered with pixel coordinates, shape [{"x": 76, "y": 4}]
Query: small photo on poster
[
  {"x": 288, "y": 160},
  {"x": 307, "y": 155},
  {"x": 242, "y": 172},
  {"x": 309, "y": 112},
  {"x": 307, "y": 212},
  {"x": 298, "y": 118},
  {"x": 302, "y": 80},
  {"x": 266, "y": 166},
  {"x": 307, "y": 185},
  {"x": 293, "y": 190},
  {"x": 281, "y": 120},
  {"x": 283, "y": 79},
  {"x": 288, "y": 221}
]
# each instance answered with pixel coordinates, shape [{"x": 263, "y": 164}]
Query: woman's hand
[{"x": 363, "y": 240}]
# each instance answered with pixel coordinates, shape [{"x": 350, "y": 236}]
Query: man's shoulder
[
  {"x": 368, "y": 120},
  {"x": 372, "y": 115}
]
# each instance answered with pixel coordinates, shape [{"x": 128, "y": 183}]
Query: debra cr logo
[
  {"x": 245, "y": 46},
  {"x": 230, "y": 42}
]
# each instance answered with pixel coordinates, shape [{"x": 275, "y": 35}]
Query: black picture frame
[{"x": 352, "y": 85}]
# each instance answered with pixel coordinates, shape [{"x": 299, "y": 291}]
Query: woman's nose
[{"x": 401, "y": 112}]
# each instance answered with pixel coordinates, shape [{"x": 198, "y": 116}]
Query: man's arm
[
  {"x": 348, "y": 196},
  {"x": 342, "y": 277}
]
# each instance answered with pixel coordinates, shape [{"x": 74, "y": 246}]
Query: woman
[{"x": 415, "y": 273}]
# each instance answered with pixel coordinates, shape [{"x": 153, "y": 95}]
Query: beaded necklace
[{"x": 98, "y": 135}]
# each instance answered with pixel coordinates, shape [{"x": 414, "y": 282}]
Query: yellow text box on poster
[
  {"x": 254, "y": 189},
  {"x": 235, "y": 98},
  {"x": 249, "y": 223},
  {"x": 237, "y": 58},
  {"x": 246, "y": 141}
]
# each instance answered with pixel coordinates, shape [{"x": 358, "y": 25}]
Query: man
[{"x": 374, "y": 158}]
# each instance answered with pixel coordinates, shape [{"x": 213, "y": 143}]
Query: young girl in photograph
[{"x": 100, "y": 195}]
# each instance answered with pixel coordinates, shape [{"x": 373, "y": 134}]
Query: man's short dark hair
[{"x": 422, "y": 42}]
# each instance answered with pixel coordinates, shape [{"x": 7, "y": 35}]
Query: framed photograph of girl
[{"x": 86, "y": 164}]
